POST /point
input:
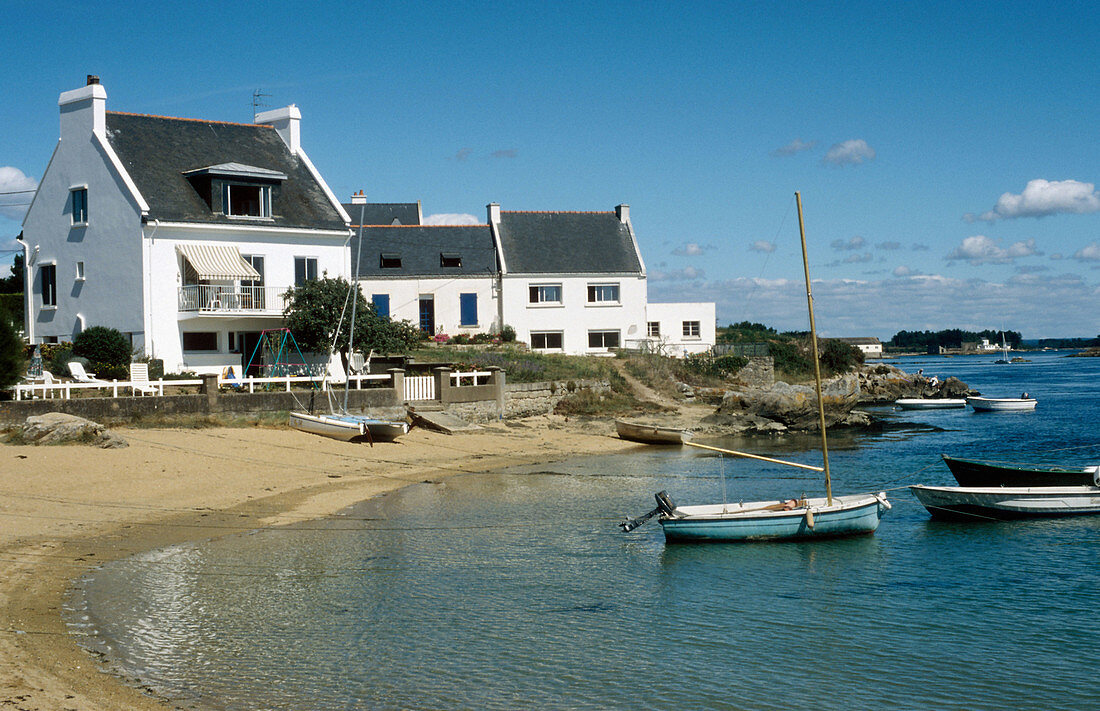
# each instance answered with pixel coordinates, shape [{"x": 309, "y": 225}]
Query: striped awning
[{"x": 217, "y": 261}]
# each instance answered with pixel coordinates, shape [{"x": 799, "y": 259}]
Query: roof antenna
[{"x": 258, "y": 97}]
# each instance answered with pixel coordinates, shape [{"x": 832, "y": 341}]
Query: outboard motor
[
  {"x": 665, "y": 506},
  {"x": 665, "y": 503}
]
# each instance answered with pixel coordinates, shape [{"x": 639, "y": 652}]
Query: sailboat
[
  {"x": 1004, "y": 352},
  {"x": 792, "y": 519},
  {"x": 343, "y": 425}
]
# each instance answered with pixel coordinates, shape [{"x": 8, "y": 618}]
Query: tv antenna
[{"x": 258, "y": 97}]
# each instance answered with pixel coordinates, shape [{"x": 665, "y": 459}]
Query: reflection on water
[{"x": 517, "y": 590}]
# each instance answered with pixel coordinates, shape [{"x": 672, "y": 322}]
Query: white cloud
[
  {"x": 451, "y": 218},
  {"x": 904, "y": 271},
  {"x": 762, "y": 245},
  {"x": 856, "y": 242},
  {"x": 14, "y": 183},
  {"x": 691, "y": 249},
  {"x": 1044, "y": 197},
  {"x": 1091, "y": 253},
  {"x": 795, "y": 146},
  {"x": 850, "y": 152},
  {"x": 685, "y": 274},
  {"x": 979, "y": 249}
]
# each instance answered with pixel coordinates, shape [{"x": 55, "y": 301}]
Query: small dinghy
[
  {"x": 1002, "y": 404},
  {"x": 930, "y": 403},
  {"x": 651, "y": 434},
  {"x": 972, "y": 503}
]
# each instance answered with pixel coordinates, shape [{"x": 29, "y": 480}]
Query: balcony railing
[{"x": 217, "y": 298}]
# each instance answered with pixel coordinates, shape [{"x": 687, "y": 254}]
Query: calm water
[{"x": 517, "y": 591}]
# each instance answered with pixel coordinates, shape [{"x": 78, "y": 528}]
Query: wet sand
[{"x": 66, "y": 509}]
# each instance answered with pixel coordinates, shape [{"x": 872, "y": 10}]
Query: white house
[
  {"x": 183, "y": 234},
  {"x": 680, "y": 329},
  {"x": 870, "y": 346}
]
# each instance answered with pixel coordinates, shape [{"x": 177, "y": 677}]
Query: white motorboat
[
  {"x": 922, "y": 403},
  {"x": 1002, "y": 404},
  {"x": 1001, "y": 502}
]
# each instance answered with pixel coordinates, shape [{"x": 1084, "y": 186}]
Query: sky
[{"x": 947, "y": 154}]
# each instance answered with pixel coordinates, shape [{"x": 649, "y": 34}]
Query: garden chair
[
  {"x": 139, "y": 379},
  {"x": 76, "y": 368}
]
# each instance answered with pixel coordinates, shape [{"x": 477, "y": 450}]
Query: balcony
[{"x": 232, "y": 299}]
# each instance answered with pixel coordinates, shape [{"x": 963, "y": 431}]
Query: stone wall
[
  {"x": 524, "y": 400},
  {"x": 758, "y": 373}
]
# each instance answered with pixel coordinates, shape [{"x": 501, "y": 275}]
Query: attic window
[
  {"x": 447, "y": 259},
  {"x": 390, "y": 261},
  {"x": 247, "y": 200}
]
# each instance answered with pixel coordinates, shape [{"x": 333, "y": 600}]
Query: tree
[
  {"x": 13, "y": 284},
  {"x": 100, "y": 344},
  {"x": 11, "y": 354},
  {"x": 313, "y": 314}
]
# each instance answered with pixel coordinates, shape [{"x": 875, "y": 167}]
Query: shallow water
[{"x": 517, "y": 590}]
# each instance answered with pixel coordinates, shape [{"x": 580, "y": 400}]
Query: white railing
[
  {"x": 64, "y": 390},
  {"x": 474, "y": 377},
  {"x": 419, "y": 387},
  {"x": 228, "y": 297}
]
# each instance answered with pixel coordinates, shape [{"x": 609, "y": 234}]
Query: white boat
[
  {"x": 1002, "y": 404},
  {"x": 929, "y": 403},
  {"x": 793, "y": 519},
  {"x": 999, "y": 502},
  {"x": 651, "y": 434}
]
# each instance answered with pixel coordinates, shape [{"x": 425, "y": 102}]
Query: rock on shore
[{"x": 59, "y": 428}]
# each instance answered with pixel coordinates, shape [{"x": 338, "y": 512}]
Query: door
[
  {"x": 251, "y": 356},
  {"x": 427, "y": 314}
]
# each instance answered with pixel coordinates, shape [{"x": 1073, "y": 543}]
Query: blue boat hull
[{"x": 849, "y": 516}]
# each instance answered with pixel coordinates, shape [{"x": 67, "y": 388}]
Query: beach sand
[{"x": 67, "y": 509}]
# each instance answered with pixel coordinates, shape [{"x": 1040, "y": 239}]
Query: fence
[
  {"x": 213, "y": 297},
  {"x": 64, "y": 390},
  {"x": 747, "y": 350},
  {"x": 419, "y": 388}
]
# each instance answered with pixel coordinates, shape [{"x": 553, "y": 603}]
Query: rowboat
[
  {"x": 922, "y": 403},
  {"x": 348, "y": 428},
  {"x": 651, "y": 434},
  {"x": 971, "y": 472},
  {"x": 977, "y": 503},
  {"x": 793, "y": 519},
  {"x": 1001, "y": 404}
]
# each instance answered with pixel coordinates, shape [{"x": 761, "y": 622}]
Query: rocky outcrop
[
  {"x": 59, "y": 428},
  {"x": 785, "y": 407},
  {"x": 882, "y": 383}
]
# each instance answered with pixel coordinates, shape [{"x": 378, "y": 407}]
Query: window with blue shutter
[
  {"x": 467, "y": 312},
  {"x": 381, "y": 304}
]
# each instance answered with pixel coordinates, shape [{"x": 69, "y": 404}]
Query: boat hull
[
  {"x": 1007, "y": 503},
  {"x": 650, "y": 434},
  {"x": 975, "y": 473},
  {"x": 348, "y": 428},
  {"x": 916, "y": 403},
  {"x": 751, "y": 521},
  {"x": 1001, "y": 404}
]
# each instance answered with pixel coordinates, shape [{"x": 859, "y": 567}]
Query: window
[
  {"x": 248, "y": 200},
  {"x": 390, "y": 261},
  {"x": 48, "y": 274},
  {"x": 603, "y": 339},
  {"x": 200, "y": 340},
  {"x": 80, "y": 271},
  {"x": 79, "y": 198},
  {"x": 545, "y": 293},
  {"x": 603, "y": 293},
  {"x": 467, "y": 309},
  {"x": 381, "y": 304},
  {"x": 691, "y": 329},
  {"x": 654, "y": 329},
  {"x": 450, "y": 260},
  {"x": 547, "y": 340},
  {"x": 305, "y": 269}
]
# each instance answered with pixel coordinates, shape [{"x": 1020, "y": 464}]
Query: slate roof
[
  {"x": 420, "y": 247},
  {"x": 157, "y": 151},
  {"x": 566, "y": 243},
  {"x": 385, "y": 213}
]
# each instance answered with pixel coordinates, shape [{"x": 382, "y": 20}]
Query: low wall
[
  {"x": 758, "y": 373},
  {"x": 524, "y": 400}
]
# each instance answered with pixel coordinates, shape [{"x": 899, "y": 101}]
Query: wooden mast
[{"x": 813, "y": 343}]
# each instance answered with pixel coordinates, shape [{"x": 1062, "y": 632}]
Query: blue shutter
[
  {"x": 381, "y": 304},
  {"x": 467, "y": 309}
]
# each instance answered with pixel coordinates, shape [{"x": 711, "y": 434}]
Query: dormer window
[
  {"x": 247, "y": 200},
  {"x": 238, "y": 191},
  {"x": 447, "y": 259},
  {"x": 390, "y": 261}
]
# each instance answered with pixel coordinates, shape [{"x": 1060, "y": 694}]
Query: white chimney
[
  {"x": 84, "y": 109},
  {"x": 623, "y": 213},
  {"x": 286, "y": 121},
  {"x": 358, "y": 198},
  {"x": 494, "y": 213}
]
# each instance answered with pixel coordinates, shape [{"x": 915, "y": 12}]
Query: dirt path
[{"x": 678, "y": 412}]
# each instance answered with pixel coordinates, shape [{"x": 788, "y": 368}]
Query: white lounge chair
[
  {"x": 76, "y": 368},
  {"x": 139, "y": 379},
  {"x": 336, "y": 374}
]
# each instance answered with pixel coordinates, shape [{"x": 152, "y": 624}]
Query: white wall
[
  {"x": 405, "y": 300},
  {"x": 671, "y": 317},
  {"x": 575, "y": 317}
]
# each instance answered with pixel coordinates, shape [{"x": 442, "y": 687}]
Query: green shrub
[
  {"x": 100, "y": 344},
  {"x": 55, "y": 359},
  {"x": 839, "y": 357},
  {"x": 12, "y": 364},
  {"x": 507, "y": 334}
]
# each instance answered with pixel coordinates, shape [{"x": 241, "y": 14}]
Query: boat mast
[
  {"x": 813, "y": 343},
  {"x": 362, "y": 200}
]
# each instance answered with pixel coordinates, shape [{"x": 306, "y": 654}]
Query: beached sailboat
[
  {"x": 343, "y": 425},
  {"x": 792, "y": 519}
]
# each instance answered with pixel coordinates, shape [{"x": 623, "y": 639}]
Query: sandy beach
[{"x": 67, "y": 509}]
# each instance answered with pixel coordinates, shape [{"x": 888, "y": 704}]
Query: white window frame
[
  {"x": 560, "y": 334},
  {"x": 316, "y": 268},
  {"x": 543, "y": 302},
  {"x": 265, "y": 201},
  {"x": 594, "y": 298},
  {"x": 689, "y": 326},
  {"x": 603, "y": 333},
  {"x": 653, "y": 329},
  {"x": 51, "y": 305},
  {"x": 80, "y": 271},
  {"x": 73, "y": 191}
]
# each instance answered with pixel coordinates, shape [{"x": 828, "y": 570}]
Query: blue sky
[{"x": 946, "y": 153}]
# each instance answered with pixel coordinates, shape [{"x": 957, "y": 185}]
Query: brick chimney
[
  {"x": 286, "y": 121},
  {"x": 84, "y": 109},
  {"x": 623, "y": 213}
]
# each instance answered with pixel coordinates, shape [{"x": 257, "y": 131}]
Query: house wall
[
  {"x": 671, "y": 317},
  {"x": 575, "y": 317},
  {"x": 109, "y": 244},
  {"x": 405, "y": 296},
  {"x": 165, "y": 271}
]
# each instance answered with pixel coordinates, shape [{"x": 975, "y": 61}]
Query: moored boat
[
  {"x": 1005, "y": 503},
  {"x": 972, "y": 472},
  {"x": 922, "y": 403},
  {"x": 1002, "y": 404},
  {"x": 349, "y": 428},
  {"x": 651, "y": 434}
]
